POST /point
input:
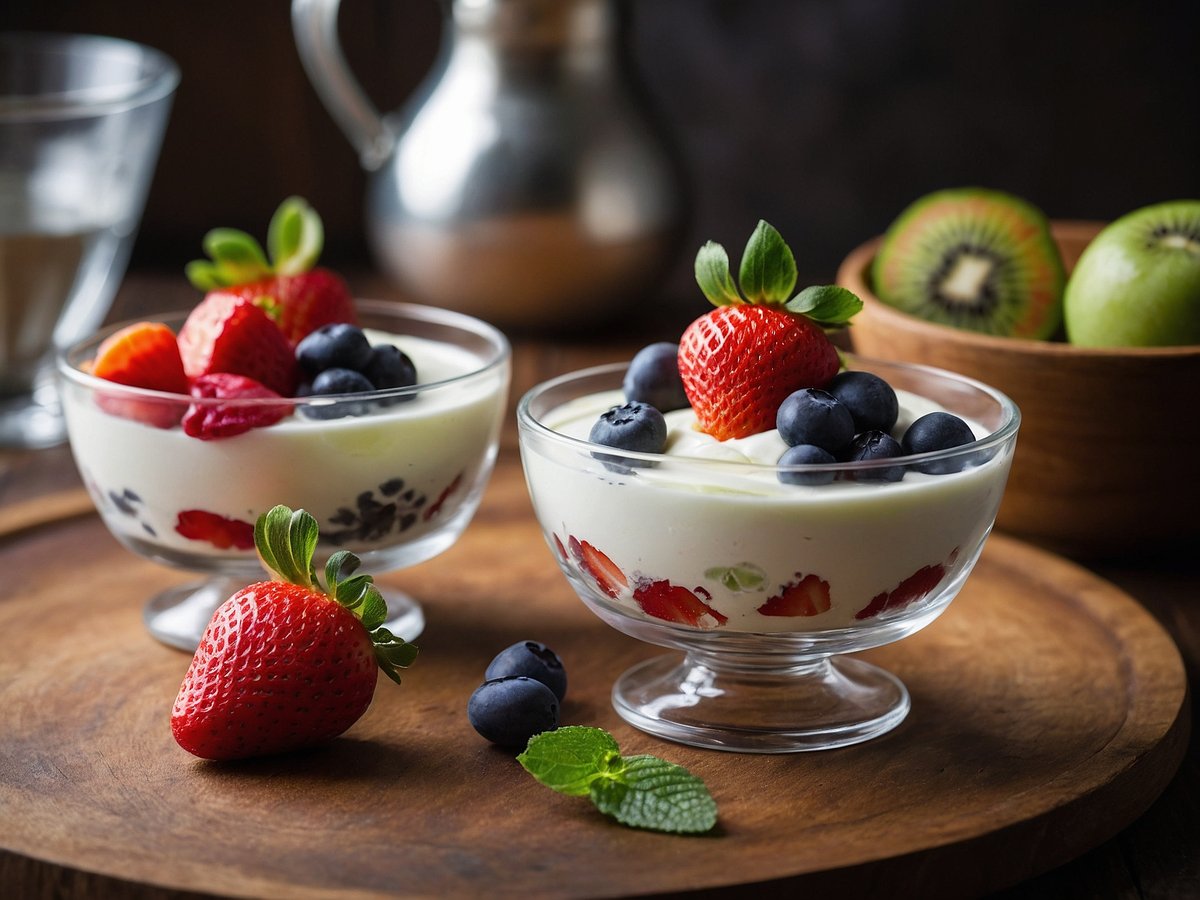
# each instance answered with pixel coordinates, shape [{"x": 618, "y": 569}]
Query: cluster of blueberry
[
  {"x": 849, "y": 420},
  {"x": 522, "y": 689},
  {"x": 339, "y": 359}
]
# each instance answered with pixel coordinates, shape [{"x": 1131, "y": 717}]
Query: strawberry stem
[
  {"x": 295, "y": 237},
  {"x": 286, "y": 542}
]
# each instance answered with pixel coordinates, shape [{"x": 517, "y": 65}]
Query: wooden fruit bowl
[{"x": 1107, "y": 453}]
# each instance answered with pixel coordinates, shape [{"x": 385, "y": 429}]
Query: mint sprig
[
  {"x": 639, "y": 791},
  {"x": 286, "y": 541},
  {"x": 767, "y": 276}
]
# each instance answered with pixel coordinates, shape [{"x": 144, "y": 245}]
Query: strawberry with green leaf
[
  {"x": 287, "y": 663},
  {"x": 741, "y": 360},
  {"x": 288, "y": 286}
]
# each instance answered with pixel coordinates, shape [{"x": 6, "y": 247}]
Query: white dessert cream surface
[
  {"x": 704, "y": 519},
  {"x": 370, "y": 480}
]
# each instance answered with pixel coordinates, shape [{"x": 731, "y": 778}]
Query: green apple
[{"x": 1137, "y": 283}]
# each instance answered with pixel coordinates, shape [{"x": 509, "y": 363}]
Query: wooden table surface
[{"x": 1157, "y": 856}]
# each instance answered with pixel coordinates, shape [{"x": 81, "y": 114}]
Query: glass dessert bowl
[
  {"x": 764, "y": 584},
  {"x": 392, "y": 475}
]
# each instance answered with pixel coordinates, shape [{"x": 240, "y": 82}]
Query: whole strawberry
[
  {"x": 286, "y": 664},
  {"x": 740, "y": 361},
  {"x": 298, "y": 297}
]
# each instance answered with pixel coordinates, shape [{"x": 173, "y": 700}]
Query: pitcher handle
[{"x": 315, "y": 26}]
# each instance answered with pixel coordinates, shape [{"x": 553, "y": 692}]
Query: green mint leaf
[
  {"x": 639, "y": 791},
  {"x": 768, "y": 270},
  {"x": 655, "y": 794},
  {"x": 712, "y": 274},
  {"x": 295, "y": 237},
  {"x": 828, "y": 304},
  {"x": 570, "y": 758}
]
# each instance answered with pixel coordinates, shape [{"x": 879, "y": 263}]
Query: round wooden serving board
[{"x": 1048, "y": 712}]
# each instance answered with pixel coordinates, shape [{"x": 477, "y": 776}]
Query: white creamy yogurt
[
  {"x": 371, "y": 481},
  {"x": 712, "y": 519}
]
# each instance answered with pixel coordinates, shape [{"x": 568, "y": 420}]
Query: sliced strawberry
[
  {"x": 209, "y": 421},
  {"x": 915, "y": 587},
  {"x": 228, "y": 333},
  {"x": 673, "y": 603},
  {"x": 222, "y": 533},
  {"x": 608, "y": 577},
  {"x": 809, "y": 596},
  {"x": 143, "y": 355}
]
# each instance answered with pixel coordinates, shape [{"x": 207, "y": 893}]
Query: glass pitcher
[{"x": 525, "y": 182}]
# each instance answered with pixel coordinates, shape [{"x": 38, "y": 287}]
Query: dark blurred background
[{"x": 825, "y": 117}]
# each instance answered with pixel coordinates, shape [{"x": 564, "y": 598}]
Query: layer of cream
[
  {"x": 371, "y": 481},
  {"x": 745, "y": 544}
]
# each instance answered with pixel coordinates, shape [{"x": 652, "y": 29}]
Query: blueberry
[
  {"x": 533, "y": 660},
  {"x": 812, "y": 416},
  {"x": 340, "y": 381},
  {"x": 337, "y": 381},
  {"x": 335, "y": 346},
  {"x": 390, "y": 368},
  {"x": 509, "y": 711},
  {"x": 937, "y": 431},
  {"x": 876, "y": 445},
  {"x": 653, "y": 378},
  {"x": 870, "y": 399},
  {"x": 806, "y": 455},
  {"x": 632, "y": 426}
]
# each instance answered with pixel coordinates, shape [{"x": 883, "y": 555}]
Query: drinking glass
[{"x": 81, "y": 123}]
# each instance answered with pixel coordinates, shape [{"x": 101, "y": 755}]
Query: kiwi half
[{"x": 976, "y": 259}]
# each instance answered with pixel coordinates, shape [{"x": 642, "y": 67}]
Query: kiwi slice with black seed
[{"x": 976, "y": 259}]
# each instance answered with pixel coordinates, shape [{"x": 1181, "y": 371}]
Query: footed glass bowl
[
  {"x": 394, "y": 476},
  {"x": 763, "y": 584}
]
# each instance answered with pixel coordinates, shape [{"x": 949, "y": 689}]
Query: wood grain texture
[
  {"x": 1083, "y": 480},
  {"x": 1048, "y": 712}
]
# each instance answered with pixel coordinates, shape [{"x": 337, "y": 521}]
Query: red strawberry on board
[
  {"x": 227, "y": 333},
  {"x": 740, "y": 361},
  {"x": 298, "y": 297},
  {"x": 286, "y": 664},
  {"x": 807, "y": 596},
  {"x": 142, "y": 355},
  {"x": 209, "y": 420},
  {"x": 673, "y": 603}
]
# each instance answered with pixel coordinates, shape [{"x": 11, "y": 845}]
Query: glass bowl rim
[
  {"x": 67, "y": 363},
  {"x": 1007, "y": 431}
]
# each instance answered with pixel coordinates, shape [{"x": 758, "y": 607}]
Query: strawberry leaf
[
  {"x": 768, "y": 270},
  {"x": 391, "y": 652},
  {"x": 286, "y": 541},
  {"x": 827, "y": 304},
  {"x": 712, "y": 274},
  {"x": 237, "y": 256},
  {"x": 295, "y": 237}
]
